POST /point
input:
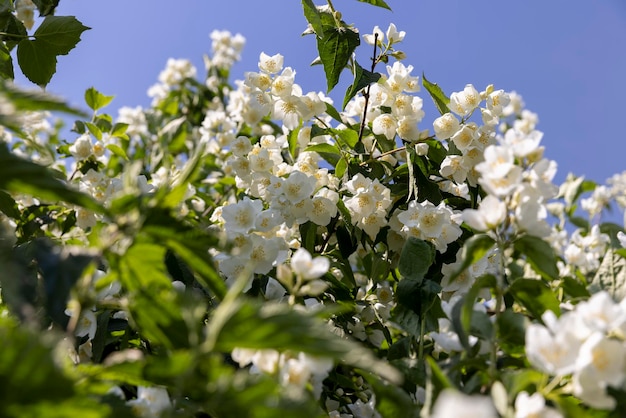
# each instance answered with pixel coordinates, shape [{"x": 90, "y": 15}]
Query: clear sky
[{"x": 567, "y": 58}]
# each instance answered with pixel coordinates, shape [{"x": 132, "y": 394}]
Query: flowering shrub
[{"x": 241, "y": 248}]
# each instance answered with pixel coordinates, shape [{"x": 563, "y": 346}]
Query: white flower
[
  {"x": 622, "y": 238},
  {"x": 445, "y": 126},
  {"x": 386, "y": 125},
  {"x": 271, "y": 64},
  {"x": 603, "y": 358},
  {"x": 393, "y": 35},
  {"x": 241, "y": 216},
  {"x": 151, "y": 402},
  {"x": 490, "y": 214},
  {"x": 308, "y": 267},
  {"x": 533, "y": 406},
  {"x": 464, "y": 102},
  {"x": 451, "y": 403},
  {"x": 376, "y": 34},
  {"x": 82, "y": 148}
]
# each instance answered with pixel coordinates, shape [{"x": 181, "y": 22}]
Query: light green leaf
[
  {"x": 117, "y": 150},
  {"x": 61, "y": 33},
  {"x": 333, "y": 113},
  {"x": 611, "y": 276},
  {"x": 249, "y": 324},
  {"x": 473, "y": 250},
  {"x": 330, "y": 153},
  {"x": 540, "y": 255},
  {"x": 335, "y": 48},
  {"x": 415, "y": 259},
  {"x": 379, "y": 3},
  {"x": 94, "y": 130},
  {"x": 341, "y": 167},
  {"x": 438, "y": 96},
  {"x": 362, "y": 79},
  {"x": 347, "y": 137},
  {"x": 534, "y": 295},
  {"x": 96, "y": 100}
]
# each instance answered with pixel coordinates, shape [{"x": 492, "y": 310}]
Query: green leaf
[
  {"x": 463, "y": 311},
  {"x": 534, "y": 295},
  {"x": 37, "y": 100},
  {"x": 6, "y": 63},
  {"x": 392, "y": 401},
  {"x": 333, "y": 113},
  {"x": 415, "y": 259},
  {"x": 192, "y": 245},
  {"x": 341, "y": 167},
  {"x": 438, "y": 96},
  {"x": 512, "y": 332},
  {"x": 335, "y": 48},
  {"x": 21, "y": 176},
  {"x": 473, "y": 250},
  {"x": 611, "y": 276},
  {"x": 346, "y": 137},
  {"x": 379, "y": 3},
  {"x": 61, "y": 33},
  {"x": 37, "y": 61},
  {"x": 96, "y": 100},
  {"x": 117, "y": 150},
  {"x": 250, "y": 324},
  {"x": 8, "y": 206},
  {"x": 46, "y": 7},
  {"x": 540, "y": 255},
  {"x": 362, "y": 79},
  {"x": 330, "y": 153},
  {"x": 312, "y": 15},
  {"x": 14, "y": 30}
]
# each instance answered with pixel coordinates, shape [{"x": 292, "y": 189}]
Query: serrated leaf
[
  {"x": 61, "y": 33},
  {"x": 37, "y": 61},
  {"x": 362, "y": 79},
  {"x": 46, "y": 7},
  {"x": 96, "y": 100},
  {"x": 540, "y": 255},
  {"x": 534, "y": 295},
  {"x": 438, "y": 96},
  {"x": 379, "y": 3},
  {"x": 335, "y": 48},
  {"x": 473, "y": 250},
  {"x": 611, "y": 276},
  {"x": 415, "y": 259}
]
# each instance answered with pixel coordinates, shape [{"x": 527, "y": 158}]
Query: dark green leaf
[
  {"x": 61, "y": 33},
  {"x": 392, "y": 401},
  {"x": 312, "y": 15},
  {"x": 96, "y": 100},
  {"x": 8, "y": 206},
  {"x": 46, "y": 7},
  {"x": 362, "y": 79},
  {"x": 535, "y": 295},
  {"x": 60, "y": 270},
  {"x": 473, "y": 250},
  {"x": 463, "y": 311},
  {"x": 379, "y": 3},
  {"x": 512, "y": 332},
  {"x": 416, "y": 258},
  {"x": 13, "y": 28},
  {"x": 438, "y": 96},
  {"x": 335, "y": 48},
  {"x": 22, "y": 176},
  {"x": 574, "y": 288},
  {"x": 6, "y": 63},
  {"x": 37, "y": 61},
  {"x": 540, "y": 255},
  {"x": 611, "y": 229}
]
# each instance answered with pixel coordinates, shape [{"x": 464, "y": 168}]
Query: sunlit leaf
[
  {"x": 611, "y": 276},
  {"x": 96, "y": 100},
  {"x": 438, "y": 96},
  {"x": 379, "y": 3},
  {"x": 362, "y": 79},
  {"x": 335, "y": 48}
]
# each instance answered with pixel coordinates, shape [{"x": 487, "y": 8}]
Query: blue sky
[{"x": 567, "y": 58}]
